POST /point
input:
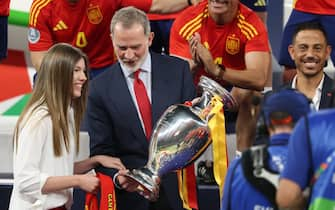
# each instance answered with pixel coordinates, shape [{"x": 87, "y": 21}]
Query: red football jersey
[
  {"x": 4, "y": 8},
  {"x": 85, "y": 24},
  {"x": 323, "y": 7},
  {"x": 227, "y": 43}
]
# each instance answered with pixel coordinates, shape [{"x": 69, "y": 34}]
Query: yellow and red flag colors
[
  {"x": 188, "y": 188},
  {"x": 217, "y": 128}
]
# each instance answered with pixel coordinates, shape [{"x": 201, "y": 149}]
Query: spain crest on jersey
[
  {"x": 94, "y": 14},
  {"x": 232, "y": 45}
]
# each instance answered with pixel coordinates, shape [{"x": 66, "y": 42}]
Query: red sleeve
[
  {"x": 40, "y": 31},
  {"x": 144, "y": 5},
  {"x": 261, "y": 41},
  {"x": 4, "y": 8},
  {"x": 178, "y": 44}
]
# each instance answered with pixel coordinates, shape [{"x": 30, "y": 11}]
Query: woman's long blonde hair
[{"x": 53, "y": 89}]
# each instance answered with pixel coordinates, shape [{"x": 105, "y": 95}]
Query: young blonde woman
[{"x": 46, "y": 138}]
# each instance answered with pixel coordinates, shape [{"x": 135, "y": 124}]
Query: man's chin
[
  {"x": 311, "y": 72},
  {"x": 132, "y": 68}
]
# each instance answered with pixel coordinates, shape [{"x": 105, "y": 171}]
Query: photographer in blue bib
[{"x": 257, "y": 172}]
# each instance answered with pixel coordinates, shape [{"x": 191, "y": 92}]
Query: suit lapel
[
  {"x": 159, "y": 87},
  {"x": 124, "y": 103},
  {"x": 327, "y": 93}
]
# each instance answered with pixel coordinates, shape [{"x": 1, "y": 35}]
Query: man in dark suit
[
  {"x": 116, "y": 120},
  {"x": 310, "y": 51}
]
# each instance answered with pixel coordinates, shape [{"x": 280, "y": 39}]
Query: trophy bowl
[{"x": 179, "y": 137}]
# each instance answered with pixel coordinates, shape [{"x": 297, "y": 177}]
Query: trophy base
[{"x": 148, "y": 183}]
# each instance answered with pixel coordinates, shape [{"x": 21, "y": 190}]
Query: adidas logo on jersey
[
  {"x": 60, "y": 26},
  {"x": 260, "y": 3}
]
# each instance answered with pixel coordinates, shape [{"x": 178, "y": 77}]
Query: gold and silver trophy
[{"x": 180, "y": 136}]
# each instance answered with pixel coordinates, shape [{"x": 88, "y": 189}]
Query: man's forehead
[{"x": 310, "y": 37}]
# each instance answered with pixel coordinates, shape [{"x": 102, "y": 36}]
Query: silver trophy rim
[{"x": 215, "y": 88}]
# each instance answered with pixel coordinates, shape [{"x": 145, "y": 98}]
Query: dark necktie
[{"x": 143, "y": 103}]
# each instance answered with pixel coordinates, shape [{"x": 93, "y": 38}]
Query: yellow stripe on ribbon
[
  {"x": 217, "y": 128},
  {"x": 188, "y": 187},
  {"x": 183, "y": 189}
]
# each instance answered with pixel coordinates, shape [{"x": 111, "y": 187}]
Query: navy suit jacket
[
  {"x": 327, "y": 94},
  {"x": 115, "y": 128}
]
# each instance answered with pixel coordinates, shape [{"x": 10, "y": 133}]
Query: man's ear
[
  {"x": 291, "y": 51},
  {"x": 328, "y": 50},
  {"x": 151, "y": 38}
]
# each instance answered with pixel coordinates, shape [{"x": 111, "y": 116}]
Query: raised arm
[
  {"x": 256, "y": 72},
  {"x": 253, "y": 77}
]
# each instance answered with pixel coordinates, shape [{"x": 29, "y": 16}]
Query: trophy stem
[{"x": 146, "y": 178}]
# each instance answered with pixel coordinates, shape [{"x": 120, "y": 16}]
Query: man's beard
[{"x": 139, "y": 63}]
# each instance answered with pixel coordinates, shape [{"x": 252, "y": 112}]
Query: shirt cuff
[{"x": 116, "y": 182}]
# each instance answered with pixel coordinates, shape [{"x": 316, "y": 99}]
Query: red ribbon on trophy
[
  {"x": 186, "y": 176},
  {"x": 187, "y": 183},
  {"x": 188, "y": 187}
]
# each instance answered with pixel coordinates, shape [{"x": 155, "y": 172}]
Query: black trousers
[{"x": 162, "y": 203}]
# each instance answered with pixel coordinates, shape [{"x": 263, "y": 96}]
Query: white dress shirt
[
  {"x": 145, "y": 76},
  {"x": 34, "y": 161},
  {"x": 318, "y": 91}
]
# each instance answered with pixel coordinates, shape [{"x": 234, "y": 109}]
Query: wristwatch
[{"x": 221, "y": 70}]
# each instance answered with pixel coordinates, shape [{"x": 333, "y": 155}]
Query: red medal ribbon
[{"x": 107, "y": 195}]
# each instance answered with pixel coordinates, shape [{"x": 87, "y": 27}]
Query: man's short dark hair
[{"x": 311, "y": 25}]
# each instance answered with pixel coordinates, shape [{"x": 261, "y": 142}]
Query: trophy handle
[{"x": 210, "y": 88}]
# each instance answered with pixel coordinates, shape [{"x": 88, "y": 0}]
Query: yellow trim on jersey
[
  {"x": 63, "y": 24},
  {"x": 60, "y": 26},
  {"x": 193, "y": 25},
  {"x": 293, "y": 3},
  {"x": 246, "y": 28},
  {"x": 260, "y": 3},
  {"x": 35, "y": 10}
]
